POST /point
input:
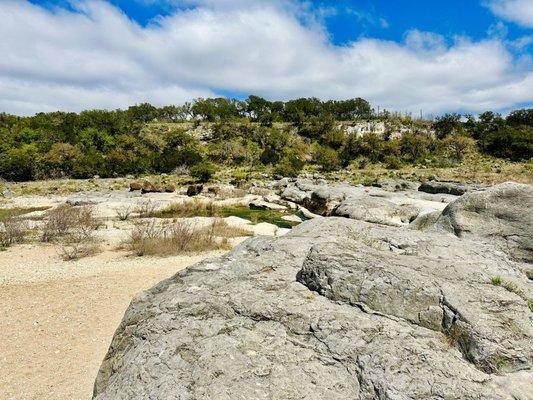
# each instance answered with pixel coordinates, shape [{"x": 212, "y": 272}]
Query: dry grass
[
  {"x": 67, "y": 220},
  {"x": 220, "y": 228},
  {"x": 74, "y": 229},
  {"x": 13, "y": 230},
  {"x": 124, "y": 212},
  {"x": 188, "y": 209},
  {"x": 474, "y": 168},
  {"x": 146, "y": 209},
  {"x": 182, "y": 237}
]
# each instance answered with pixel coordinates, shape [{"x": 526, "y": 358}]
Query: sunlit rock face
[{"x": 345, "y": 308}]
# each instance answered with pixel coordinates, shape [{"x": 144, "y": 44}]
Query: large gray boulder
[
  {"x": 337, "y": 309},
  {"x": 502, "y": 214},
  {"x": 376, "y": 205}
]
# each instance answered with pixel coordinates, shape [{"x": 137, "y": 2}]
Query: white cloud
[
  {"x": 97, "y": 57},
  {"x": 518, "y": 11}
]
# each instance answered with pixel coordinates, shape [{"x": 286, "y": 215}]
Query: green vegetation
[
  {"x": 209, "y": 135},
  {"x": 496, "y": 280},
  {"x": 197, "y": 208},
  {"x": 513, "y": 288},
  {"x": 16, "y": 212}
]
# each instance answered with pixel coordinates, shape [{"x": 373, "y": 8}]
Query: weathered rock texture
[
  {"x": 454, "y": 188},
  {"x": 395, "y": 205},
  {"x": 341, "y": 309}
]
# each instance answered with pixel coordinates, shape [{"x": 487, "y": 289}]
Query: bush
[
  {"x": 69, "y": 221},
  {"x": 369, "y": 145},
  {"x": 334, "y": 138},
  {"x": 416, "y": 146},
  {"x": 447, "y": 124},
  {"x": 393, "y": 162},
  {"x": 74, "y": 229},
  {"x": 19, "y": 164},
  {"x": 60, "y": 160},
  {"x": 152, "y": 238},
  {"x": 146, "y": 209},
  {"x": 515, "y": 143},
  {"x": 327, "y": 158},
  {"x": 457, "y": 146},
  {"x": 289, "y": 166},
  {"x": 124, "y": 212},
  {"x": 13, "y": 230},
  {"x": 203, "y": 171}
]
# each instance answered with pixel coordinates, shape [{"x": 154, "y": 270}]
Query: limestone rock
[
  {"x": 194, "y": 190},
  {"x": 149, "y": 187},
  {"x": 170, "y": 189},
  {"x": 396, "y": 185},
  {"x": 341, "y": 308},
  {"x": 376, "y": 210},
  {"x": 265, "y": 205},
  {"x": 502, "y": 214},
  {"x": 455, "y": 188},
  {"x": 135, "y": 186}
]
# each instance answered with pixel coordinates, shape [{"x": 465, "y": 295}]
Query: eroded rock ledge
[{"x": 341, "y": 308}]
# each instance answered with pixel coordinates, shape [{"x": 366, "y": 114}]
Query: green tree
[
  {"x": 19, "y": 164},
  {"x": 447, "y": 124}
]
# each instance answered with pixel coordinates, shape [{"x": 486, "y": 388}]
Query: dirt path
[{"x": 56, "y": 326}]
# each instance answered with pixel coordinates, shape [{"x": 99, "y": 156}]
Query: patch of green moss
[{"x": 15, "y": 212}]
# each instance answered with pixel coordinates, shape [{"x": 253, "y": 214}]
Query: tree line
[{"x": 253, "y": 133}]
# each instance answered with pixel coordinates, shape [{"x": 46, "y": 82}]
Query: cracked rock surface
[{"x": 342, "y": 308}]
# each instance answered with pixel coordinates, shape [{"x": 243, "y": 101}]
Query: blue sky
[
  {"x": 405, "y": 55},
  {"x": 348, "y": 20}
]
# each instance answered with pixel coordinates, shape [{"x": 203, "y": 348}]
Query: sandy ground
[{"x": 57, "y": 318}]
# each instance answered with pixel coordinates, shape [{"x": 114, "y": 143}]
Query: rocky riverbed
[{"x": 385, "y": 293}]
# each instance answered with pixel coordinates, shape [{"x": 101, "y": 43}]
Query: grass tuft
[
  {"x": 153, "y": 239},
  {"x": 496, "y": 280}
]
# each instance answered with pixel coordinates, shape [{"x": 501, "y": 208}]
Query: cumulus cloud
[
  {"x": 95, "y": 56},
  {"x": 518, "y": 11}
]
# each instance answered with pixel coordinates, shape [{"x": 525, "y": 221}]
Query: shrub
[
  {"x": 521, "y": 117},
  {"x": 289, "y": 166},
  {"x": 447, "y": 124},
  {"x": 153, "y": 239},
  {"x": 203, "y": 171},
  {"x": 13, "y": 230},
  {"x": 77, "y": 245},
  {"x": 124, "y": 212},
  {"x": 67, "y": 220},
  {"x": 186, "y": 209},
  {"x": 334, "y": 138},
  {"x": 146, "y": 209},
  {"x": 327, "y": 158},
  {"x": 415, "y": 146},
  {"x": 393, "y": 162},
  {"x": 74, "y": 229},
  {"x": 60, "y": 159},
  {"x": 369, "y": 145},
  {"x": 515, "y": 143},
  {"x": 456, "y": 146},
  {"x": 19, "y": 164}
]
